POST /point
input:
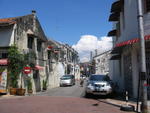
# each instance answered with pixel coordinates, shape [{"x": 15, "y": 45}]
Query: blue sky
[{"x": 64, "y": 20}]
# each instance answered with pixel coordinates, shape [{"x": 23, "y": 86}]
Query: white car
[
  {"x": 98, "y": 85},
  {"x": 67, "y": 80}
]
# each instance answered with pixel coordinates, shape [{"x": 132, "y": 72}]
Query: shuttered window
[
  {"x": 30, "y": 42},
  {"x": 39, "y": 45}
]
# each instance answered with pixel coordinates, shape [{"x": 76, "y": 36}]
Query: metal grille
[
  {"x": 128, "y": 74},
  {"x": 148, "y": 67}
]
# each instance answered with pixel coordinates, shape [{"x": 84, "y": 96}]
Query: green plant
[
  {"x": 2, "y": 69},
  {"x": 44, "y": 84},
  {"x": 16, "y": 62},
  {"x": 29, "y": 84},
  {"x": 15, "y": 65}
]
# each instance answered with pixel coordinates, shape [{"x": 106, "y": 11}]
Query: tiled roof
[{"x": 7, "y": 21}]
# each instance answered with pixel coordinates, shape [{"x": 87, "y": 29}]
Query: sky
[{"x": 67, "y": 21}]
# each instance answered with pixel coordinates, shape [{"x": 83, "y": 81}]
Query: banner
[{"x": 3, "y": 80}]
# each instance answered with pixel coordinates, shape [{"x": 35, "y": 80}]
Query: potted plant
[
  {"x": 21, "y": 91},
  {"x": 29, "y": 86},
  {"x": 44, "y": 85},
  {"x": 13, "y": 83},
  {"x": 15, "y": 66}
]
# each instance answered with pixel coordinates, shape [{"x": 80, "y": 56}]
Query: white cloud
[{"x": 88, "y": 43}]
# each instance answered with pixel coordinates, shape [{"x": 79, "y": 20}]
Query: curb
[
  {"x": 120, "y": 104},
  {"x": 110, "y": 103}
]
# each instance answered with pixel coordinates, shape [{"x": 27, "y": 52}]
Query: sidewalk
[
  {"x": 119, "y": 103},
  {"x": 8, "y": 96}
]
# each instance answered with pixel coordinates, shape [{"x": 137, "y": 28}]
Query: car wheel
[{"x": 87, "y": 95}]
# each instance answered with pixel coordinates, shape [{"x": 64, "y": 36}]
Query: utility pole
[{"x": 144, "y": 107}]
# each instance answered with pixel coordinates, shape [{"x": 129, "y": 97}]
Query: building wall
[
  {"x": 128, "y": 22},
  {"x": 147, "y": 23},
  {"x": 102, "y": 63},
  {"x": 135, "y": 69},
  {"x": 129, "y": 30},
  {"x": 23, "y": 26}
]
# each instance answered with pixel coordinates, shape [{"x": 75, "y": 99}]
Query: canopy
[{"x": 3, "y": 61}]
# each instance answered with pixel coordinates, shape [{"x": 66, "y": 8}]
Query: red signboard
[
  {"x": 27, "y": 70},
  {"x": 50, "y": 47}
]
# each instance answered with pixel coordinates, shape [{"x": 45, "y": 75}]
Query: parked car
[
  {"x": 67, "y": 80},
  {"x": 98, "y": 85}
]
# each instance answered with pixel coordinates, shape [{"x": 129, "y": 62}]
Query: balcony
[
  {"x": 112, "y": 33},
  {"x": 114, "y": 16},
  {"x": 116, "y": 6}
]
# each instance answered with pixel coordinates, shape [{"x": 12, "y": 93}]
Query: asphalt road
[
  {"x": 57, "y": 100},
  {"x": 66, "y": 91}
]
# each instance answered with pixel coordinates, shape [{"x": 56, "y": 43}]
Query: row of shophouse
[
  {"x": 125, "y": 56},
  {"x": 102, "y": 62},
  {"x": 52, "y": 60}
]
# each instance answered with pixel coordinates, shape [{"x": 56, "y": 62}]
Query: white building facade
[
  {"x": 125, "y": 54},
  {"x": 102, "y": 62}
]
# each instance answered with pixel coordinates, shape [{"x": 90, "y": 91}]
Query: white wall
[
  {"x": 54, "y": 76},
  {"x": 5, "y": 35},
  {"x": 102, "y": 63},
  {"x": 130, "y": 29}
]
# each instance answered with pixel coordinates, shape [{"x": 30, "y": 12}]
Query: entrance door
[{"x": 128, "y": 74}]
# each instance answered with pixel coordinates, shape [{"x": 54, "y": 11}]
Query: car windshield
[
  {"x": 98, "y": 78},
  {"x": 65, "y": 77}
]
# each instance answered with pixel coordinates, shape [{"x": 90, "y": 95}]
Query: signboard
[
  {"x": 27, "y": 70},
  {"x": 3, "y": 81}
]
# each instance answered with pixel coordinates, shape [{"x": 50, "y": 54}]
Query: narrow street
[
  {"x": 66, "y": 91},
  {"x": 57, "y": 100}
]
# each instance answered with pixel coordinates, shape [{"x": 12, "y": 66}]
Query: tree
[{"x": 15, "y": 65}]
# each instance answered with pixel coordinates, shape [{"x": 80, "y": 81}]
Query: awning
[
  {"x": 116, "y": 6},
  {"x": 115, "y": 57},
  {"x": 132, "y": 41},
  {"x": 114, "y": 16},
  {"x": 112, "y": 33},
  {"x": 117, "y": 50},
  {"x": 128, "y": 42},
  {"x": 37, "y": 67},
  {"x": 3, "y": 61}
]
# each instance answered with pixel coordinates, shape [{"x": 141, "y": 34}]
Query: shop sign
[
  {"x": 3, "y": 81},
  {"x": 27, "y": 70}
]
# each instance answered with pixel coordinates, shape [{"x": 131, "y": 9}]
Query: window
[
  {"x": 39, "y": 45},
  {"x": 147, "y": 5},
  {"x": 98, "y": 60},
  {"x": 4, "y": 55},
  {"x": 30, "y": 42}
]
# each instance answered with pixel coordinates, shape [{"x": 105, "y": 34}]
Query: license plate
[{"x": 97, "y": 88}]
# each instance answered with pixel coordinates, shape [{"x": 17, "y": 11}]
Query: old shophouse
[
  {"x": 26, "y": 33},
  {"x": 102, "y": 62},
  {"x": 51, "y": 59},
  {"x": 63, "y": 59},
  {"x": 125, "y": 54}
]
